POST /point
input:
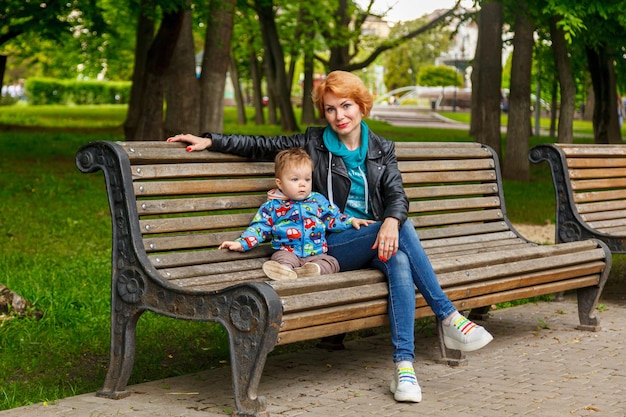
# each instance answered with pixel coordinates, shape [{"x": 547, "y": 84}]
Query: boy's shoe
[
  {"x": 404, "y": 385},
  {"x": 464, "y": 335},
  {"x": 309, "y": 269},
  {"x": 278, "y": 271}
]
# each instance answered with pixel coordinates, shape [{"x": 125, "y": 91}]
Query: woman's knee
[{"x": 399, "y": 270}]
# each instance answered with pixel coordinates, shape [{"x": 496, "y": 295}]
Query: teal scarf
[{"x": 352, "y": 159}]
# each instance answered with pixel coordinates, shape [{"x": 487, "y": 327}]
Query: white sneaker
[
  {"x": 465, "y": 335},
  {"x": 404, "y": 386},
  {"x": 278, "y": 271},
  {"x": 309, "y": 269}
]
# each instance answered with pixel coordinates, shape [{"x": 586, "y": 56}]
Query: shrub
[{"x": 41, "y": 91}]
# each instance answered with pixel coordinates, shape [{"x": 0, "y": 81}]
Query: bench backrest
[{"x": 188, "y": 203}]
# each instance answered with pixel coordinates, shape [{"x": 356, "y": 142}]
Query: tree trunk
[
  {"x": 605, "y": 121},
  {"x": 276, "y": 63},
  {"x": 3, "y": 67},
  {"x": 241, "y": 105},
  {"x": 590, "y": 102},
  {"x": 143, "y": 40},
  {"x": 215, "y": 64},
  {"x": 271, "y": 99},
  {"x": 475, "y": 120},
  {"x": 567, "y": 106},
  {"x": 554, "y": 107},
  {"x": 308, "y": 110},
  {"x": 490, "y": 75},
  {"x": 150, "y": 123},
  {"x": 257, "y": 91},
  {"x": 340, "y": 47},
  {"x": 516, "y": 166},
  {"x": 182, "y": 87}
]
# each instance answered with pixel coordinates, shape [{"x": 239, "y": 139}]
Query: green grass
[{"x": 56, "y": 241}]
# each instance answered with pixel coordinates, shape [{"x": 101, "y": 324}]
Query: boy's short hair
[{"x": 291, "y": 158}]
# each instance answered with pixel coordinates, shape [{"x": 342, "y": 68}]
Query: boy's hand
[
  {"x": 231, "y": 245},
  {"x": 357, "y": 223}
]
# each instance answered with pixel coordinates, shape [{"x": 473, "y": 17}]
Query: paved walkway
[{"x": 537, "y": 365}]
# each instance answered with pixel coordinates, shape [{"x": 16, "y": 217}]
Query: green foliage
[
  {"x": 439, "y": 76},
  {"x": 55, "y": 91}
]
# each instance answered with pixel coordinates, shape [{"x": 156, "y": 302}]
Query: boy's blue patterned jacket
[{"x": 295, "y": 226}]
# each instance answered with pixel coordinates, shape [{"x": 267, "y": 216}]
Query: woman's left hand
[{"x": 388, "y": 239}]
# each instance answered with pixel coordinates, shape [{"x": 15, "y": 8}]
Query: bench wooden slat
[
  {"x": 190, "y": 241},
  {"x": 198, "y": 204},
  {"x": 169, "y": 153},
  {"x": 440, "y": 219},
  {"x": 602, "y": 172},
  {"x": 600, "y": 196},
  {"x": 195, "y": 223},
  {"x": 590, "y": 151},
  {"x": 616, "y": 231},
  {"x": 446, "y": 165},
  {"x": 224, "y": 185},
  {"x": 344, "y": 279},
  {"x": 206, "y": 271},
  {"x": 335, "y": 297},
  {"x": 447, "y": 176},
  {"x": 509, "y": 243},
  {"x": 605, "y": 163},
  {"x": 598, "y": 207},
  {"x": 451, "y": 190},
  {"x": 608, "y": 223},
  {"x": 473, "y": 203},
  {"x": 176, "y": 259},
  {"x": 162, "y": 171},
  {"x": 453, "y": 242},
  {"x": 598, "y": 184},
  {"x": 440, "y": 152},
  {"x": 476, "y": 232}
]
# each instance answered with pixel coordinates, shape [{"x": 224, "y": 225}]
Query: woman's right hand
[{"x": 196, "y": 143}]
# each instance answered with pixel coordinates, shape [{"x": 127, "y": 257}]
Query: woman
[{"x": 357, "y": 170}]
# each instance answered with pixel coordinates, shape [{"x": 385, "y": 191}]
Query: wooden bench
[
  {"x": 590, "y": 185},
  {"x": 171, "y": 209}
]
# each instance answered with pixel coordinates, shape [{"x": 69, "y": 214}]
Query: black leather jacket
[{"x": 386, "y": 194}]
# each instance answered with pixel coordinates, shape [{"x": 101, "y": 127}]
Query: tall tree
[
  {"x": 182, "y": 93},
  {"x": 566, "y": 82},
  {"x": 275, "y": 61},
  {"x": 215, "y": 64},
  {"x": 488, "y": 92},
  {"x": 143, "y": 39},
  {"x": 516, "y": 164},
  {"x": 606, "y": 127},
  {"x": 150, "y": 122}
]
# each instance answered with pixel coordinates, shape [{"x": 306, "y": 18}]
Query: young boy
[{"x": 296, "y": 220}]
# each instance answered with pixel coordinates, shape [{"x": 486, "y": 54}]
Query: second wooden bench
[{"x": 590, "y": 185}]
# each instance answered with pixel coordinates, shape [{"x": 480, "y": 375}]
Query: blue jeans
[{"x": 407, "y": 269}]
